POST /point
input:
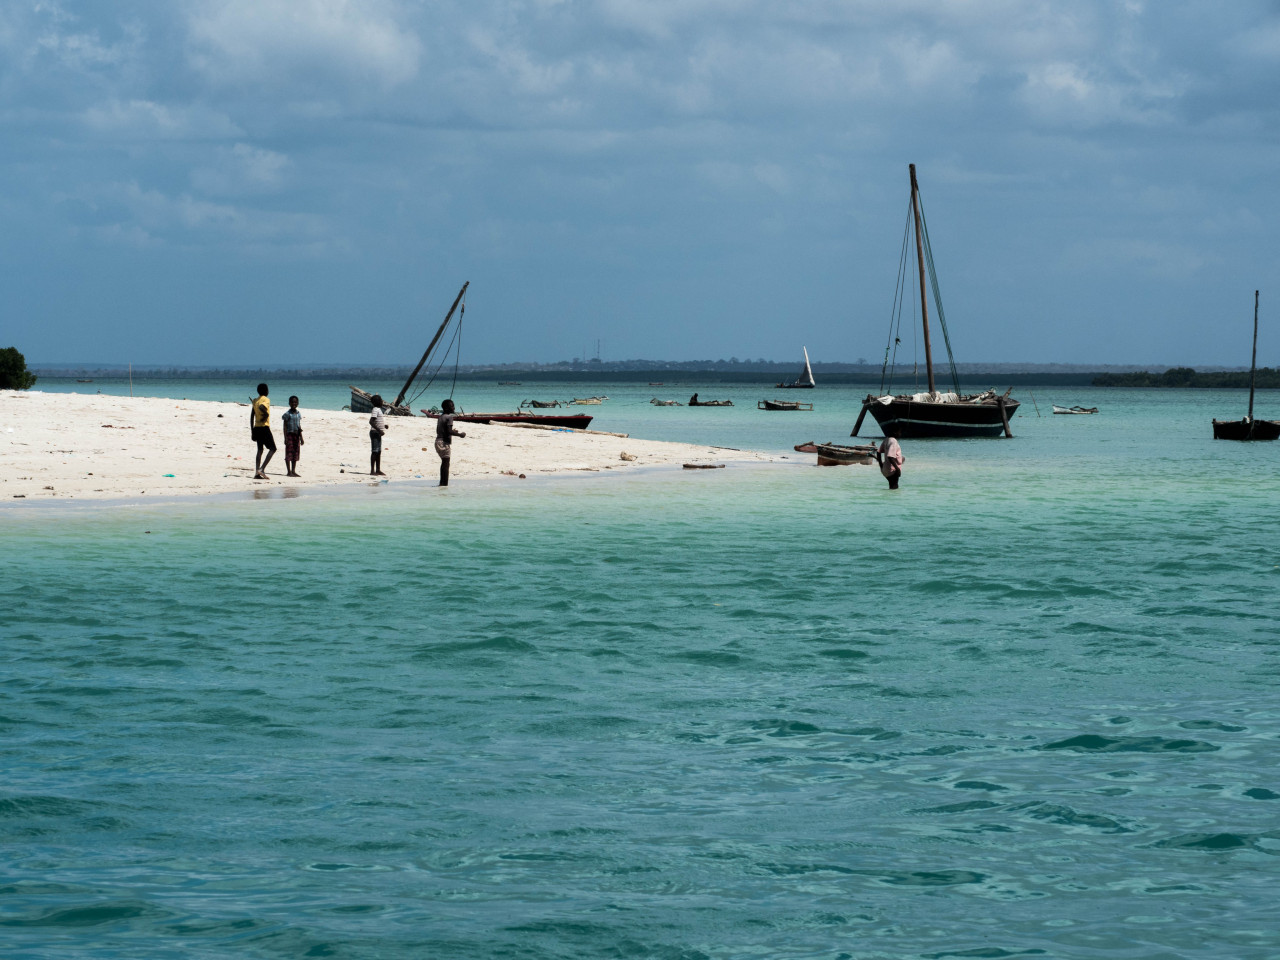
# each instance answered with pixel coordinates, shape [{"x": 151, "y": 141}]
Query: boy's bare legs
[{"x": 260, "y": 465}]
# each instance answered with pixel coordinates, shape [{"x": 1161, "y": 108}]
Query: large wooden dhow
[
  {"x": 1249, "y": 428},
  {"x": 932, "y": 413}
]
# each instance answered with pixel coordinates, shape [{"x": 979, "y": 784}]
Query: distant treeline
[
  {"x": 1267, "y": 378},
  {"x": 972, "y": 375}
]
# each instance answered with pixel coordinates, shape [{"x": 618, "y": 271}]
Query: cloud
[
  {"x": 129, "y": 213},
  {"x": 242, "y": 169},
  {"x": 309, "y": 42},
  {"x": 148, "y": 120}
]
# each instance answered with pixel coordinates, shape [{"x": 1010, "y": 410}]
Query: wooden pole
[
  {"x": 924, "y": 299},
  {"x": 857, "y": 426},
  {"x": 1004, "y": 415},
  {"x": 448, "y": 316}
]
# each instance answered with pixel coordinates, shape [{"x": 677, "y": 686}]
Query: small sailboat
[
  {"x": 805, "y": 380},
  {"x": 1249, "y": 428},
  {"x": 932, "y": 414}
]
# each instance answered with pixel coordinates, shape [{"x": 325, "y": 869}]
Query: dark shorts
[
  {"x": 292, "y": 445},
  {"x": 263, "y": 436},
  {"x": 375, "y": 441}
]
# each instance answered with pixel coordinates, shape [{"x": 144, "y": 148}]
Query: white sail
[{"x": 807, "y": 375}]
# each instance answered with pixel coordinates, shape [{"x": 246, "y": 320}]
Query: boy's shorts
[
  {"x": 375, "y": 441},
  {"x": 263, "y": 436}
]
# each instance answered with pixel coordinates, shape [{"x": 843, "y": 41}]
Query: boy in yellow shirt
[{"x": 260, "y": 430}]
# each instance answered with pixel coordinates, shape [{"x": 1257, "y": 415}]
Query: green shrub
[{"x": 14, "y": 374}]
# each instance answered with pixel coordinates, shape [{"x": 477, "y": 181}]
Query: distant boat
[
  {"x": 574, "y": 421},
  {"x": 1058, "y": 409},
  {"x": 84, "y": 381},
  {"x": 1249, "y": 428},
  {"x": 666, "y": 403},
  {"x": 783, "y": 405},
  {"x": 545, "y": 404},
  {"x": 695, "y": 402},
  {"x": 584, "y": 401},
  {"x": 362, "y": 402},
  {"x": 933, "y": 414},
  {"x": 805, "y": 380}
]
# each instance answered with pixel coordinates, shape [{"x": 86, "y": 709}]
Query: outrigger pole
[{"x": 434, "y": 340}]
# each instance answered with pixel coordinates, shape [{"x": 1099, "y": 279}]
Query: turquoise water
[{"x": 1025, "y": 706}]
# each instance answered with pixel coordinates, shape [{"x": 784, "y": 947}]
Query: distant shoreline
[{"x": 970, "y": 375}]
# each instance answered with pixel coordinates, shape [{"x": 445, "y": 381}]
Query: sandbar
[{"x": 97, "y": 447}]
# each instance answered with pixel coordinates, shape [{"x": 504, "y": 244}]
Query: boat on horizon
[
  {"x": 1249, "y": 428},
  {"x": 932, "y": 414},
  {"x": 803, "y": 382}
]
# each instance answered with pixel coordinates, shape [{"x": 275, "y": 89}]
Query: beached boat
[
  {"x": 809, "y": 447},
  {"x": 1249, "y": 428},
  {"x": 362, "y": 401},
  {"x": 932, "y": 414},
  {"x": 1076, "y": 410},
  {"x": 575, "y": 421},
  {"x": 783, "y": 405},
  {"x": 840, "y": 455},
  {"x": 805, "y": 380},
  {"x": 695, "y": 402}
]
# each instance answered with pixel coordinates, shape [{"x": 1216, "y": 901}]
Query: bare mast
[
  {"x": 449, "y": 316},
  {"x": 924, "y": 299},
  {"x": 1253, "y": 362}
]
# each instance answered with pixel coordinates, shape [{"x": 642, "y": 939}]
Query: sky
[{"x": 279, "y": 182}]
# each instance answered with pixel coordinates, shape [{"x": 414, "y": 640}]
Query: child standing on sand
[
  {"x": 377, "y": 427},
  {"x": 292, "y": 424},
  {"x": 260, "y": 430}
]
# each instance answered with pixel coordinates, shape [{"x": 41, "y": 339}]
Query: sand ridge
[{"x": 94, "y": 446}]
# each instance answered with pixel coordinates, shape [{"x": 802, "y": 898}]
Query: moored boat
[
  {"x": 574, "y": 421},
  {"x": 1075, "y": 410},
  {"x": 932, "y": 414},
  {"x": 362, "y": 401},
  {"x": 1249, "y": 428},
  {"x": 695, "y": 402},
  {"x": 783, "y": 405},
  {"x": 840, "y": 455}
]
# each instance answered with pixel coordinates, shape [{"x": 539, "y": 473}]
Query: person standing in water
[
  {"x": 377, "y": 427},
  {"x": 444, "y": 439},
  {"x": 260, "y": 431},
  {"x": 891, "y": 461}
]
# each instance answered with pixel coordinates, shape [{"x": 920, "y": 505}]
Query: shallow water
[{"x": 1025, "y": 706}]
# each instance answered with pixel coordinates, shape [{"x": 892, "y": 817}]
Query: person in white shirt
[{"x": 377, "y": 427}]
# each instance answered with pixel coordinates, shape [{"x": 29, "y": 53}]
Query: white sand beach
[{"x": 86, "y": 446}]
